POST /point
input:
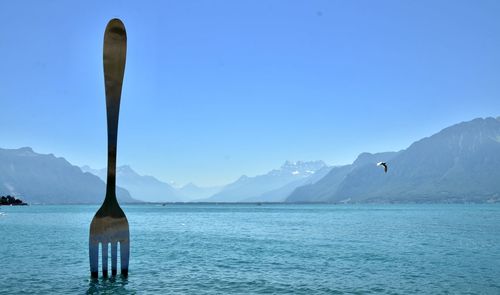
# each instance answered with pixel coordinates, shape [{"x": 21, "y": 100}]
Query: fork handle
[{"x": 114, "y": 54}]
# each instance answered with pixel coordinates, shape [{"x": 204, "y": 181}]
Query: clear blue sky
[{"x": 216, "y": 89}]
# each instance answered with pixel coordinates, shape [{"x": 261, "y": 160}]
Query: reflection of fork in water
[{"x": 113, "y": 285}]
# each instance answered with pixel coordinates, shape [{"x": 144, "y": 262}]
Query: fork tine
[
  {"x": 124, "y": 255},
  {"x": 94, "y": 258},
  {"x": 114, "y": 258},
  {"x": 105, "y": 259}
]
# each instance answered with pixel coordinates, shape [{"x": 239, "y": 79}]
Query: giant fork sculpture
[{"x": 110, "y": 225}]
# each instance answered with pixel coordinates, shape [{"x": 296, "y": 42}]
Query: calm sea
[{"x": 267, "y": 249}]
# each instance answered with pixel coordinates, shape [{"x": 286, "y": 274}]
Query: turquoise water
[{"x": 268, "y": 249}]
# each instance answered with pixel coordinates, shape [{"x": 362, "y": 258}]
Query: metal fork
[{"x": 109, "y": 225}]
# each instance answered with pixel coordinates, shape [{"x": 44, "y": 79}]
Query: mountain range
[
  {"x": 192, "y": 192},
  {"x": 461, "y": 163},
  {"x": 149, "y": 189},
  {"x": 39, "y": 178},
  {"x": 273, "y": 186},
  {"x": 143, "y": 187}
]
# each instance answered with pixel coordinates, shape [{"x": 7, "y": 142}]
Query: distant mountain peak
[
  {"x": 289, "y": 164},
  {"x": 300, "y": 167},
  {"x": 126, "y": 169}
]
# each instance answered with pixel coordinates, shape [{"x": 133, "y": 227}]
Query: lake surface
[{"x": 267, "y": 249}]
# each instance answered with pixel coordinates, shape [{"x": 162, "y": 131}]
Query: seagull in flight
[{"x": 383, "y": 164}]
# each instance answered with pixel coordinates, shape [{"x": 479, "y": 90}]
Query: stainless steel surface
[{"x": 109, "y": 227}]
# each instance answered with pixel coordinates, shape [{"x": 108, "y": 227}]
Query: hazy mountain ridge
[
  {"x": 321, "y": 190},
  {"x": 254, "y": 188},
  {"x": 192, "y": 192},
  {"x": 280, "y": 194},
  {"x": 459, "y": 163},
  {"x": 149, "y": 189},
  {"x": 143, "y": 187},
  {"x": 39, "y": 178}
]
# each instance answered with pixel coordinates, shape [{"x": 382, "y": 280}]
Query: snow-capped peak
[
  {"x": 299, "y": 168},
  {"x": 303, "y": 165}
]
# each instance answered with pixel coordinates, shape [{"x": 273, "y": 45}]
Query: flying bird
[{"x": 383, "y": 164}]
